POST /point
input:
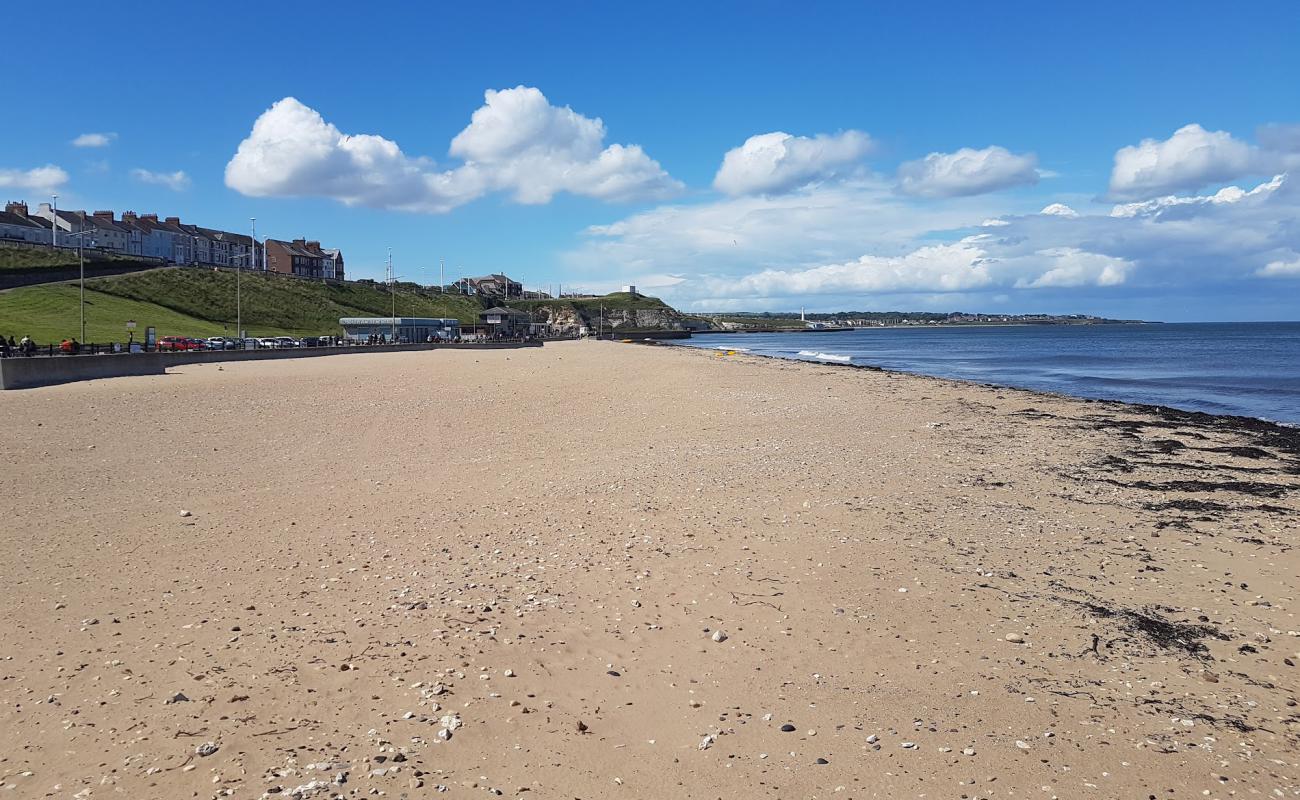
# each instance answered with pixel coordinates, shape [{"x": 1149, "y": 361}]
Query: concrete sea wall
[{"x": 25, "y": 373}]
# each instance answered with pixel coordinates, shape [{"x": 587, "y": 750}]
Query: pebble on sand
[
  {"x": 719, "y": 636},
  {"x": 1015, "y": 638}
]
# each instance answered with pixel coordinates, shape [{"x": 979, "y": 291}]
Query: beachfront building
[
  {"x": 332, "y": 264},
  {"x": 503, "y": 321},
  {"x": 306, "y": 259},
  {"x": 491, "y": 286},
  {"x": 168, "y": 238},
  {"x": 403, "y": 329},
  {"x": 17, "y": 226}
]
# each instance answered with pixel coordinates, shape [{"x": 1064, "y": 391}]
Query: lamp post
[
  {"x": 54, "y": 223},
  {"x": 239, "y": 297},
  {"x": 81, "y": 257},
  {"x": 392, "y": 293}
]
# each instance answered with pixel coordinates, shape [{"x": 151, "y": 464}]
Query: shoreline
[
  {"x": 582, "y": 570},
  {"x": 1286, "y": 426}
]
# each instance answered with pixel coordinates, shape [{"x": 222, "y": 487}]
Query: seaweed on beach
[
  {"x": 1205, "y": 506},
  {"x": 1253, "y": 488},
  {"x": 1149, "y": 624},
  {"x": 1239, "y": 452},
  {"x": 1266, "y": 435},
  {"x": 1188, "y": 505}
]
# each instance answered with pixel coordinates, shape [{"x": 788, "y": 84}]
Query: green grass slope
[
  {"x": 26, "y": 257},
  {"x": 201, "y": 302},
  {"x": 591, "y": 306}
]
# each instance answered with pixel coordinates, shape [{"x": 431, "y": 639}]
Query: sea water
[{"x": 1249, "y": 368}]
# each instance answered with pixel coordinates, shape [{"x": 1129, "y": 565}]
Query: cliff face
[
  {"x": 569, "y": 318},
  {"x": 562, "y": 319}
]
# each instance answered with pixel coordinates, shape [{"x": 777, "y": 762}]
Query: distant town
[{"x": 775, "y": 320}]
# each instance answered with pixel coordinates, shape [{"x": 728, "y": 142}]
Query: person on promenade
[
  {"x": 4, "y": 347},
  {"x": 27, "y": 347}
]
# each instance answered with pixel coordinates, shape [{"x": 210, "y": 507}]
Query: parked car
[
  {"x": 198, "y": 344},
  {"x": 250, "y": 343},
  {"x": 287, "y": 341},
  {"x": 222, "y": 343},
  {"x": 173, "y": 343},
  {"x": 268, "y": 343},
  {"x": 311, "y": 341}
]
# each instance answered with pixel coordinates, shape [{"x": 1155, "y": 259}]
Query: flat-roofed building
[{"x": 404, "y": 329}]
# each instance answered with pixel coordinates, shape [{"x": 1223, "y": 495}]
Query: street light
[
  {"x": 392, "y": 293},
  {"x": 54, "y": 223},
  {"x": 81, "y": 256},
  {"x": 239, "y": 297}
]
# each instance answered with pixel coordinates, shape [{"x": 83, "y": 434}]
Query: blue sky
[{"x": 643, "y": 145}]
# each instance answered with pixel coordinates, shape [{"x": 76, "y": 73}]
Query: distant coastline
[
  {"x": 781, "y": 322},
  {"x": 1216, "y": 368}
]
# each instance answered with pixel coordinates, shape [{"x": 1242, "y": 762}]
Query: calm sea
[{"x": 1251, "y": 369}]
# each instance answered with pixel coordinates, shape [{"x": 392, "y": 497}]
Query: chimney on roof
[
  {"x": 18, "y": 207},
  {"x": 150, "y": 217},
  {"x": 108, "y": 215},
  {"x": 128, "y": 216},
  {"x": 173, "y": 220},
  {"x": 300, "y": 242}
]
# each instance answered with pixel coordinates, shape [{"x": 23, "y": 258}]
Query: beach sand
[{"x": 946, "y": 590}]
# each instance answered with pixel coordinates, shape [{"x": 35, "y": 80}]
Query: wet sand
[{"x": 944, "y": 590}]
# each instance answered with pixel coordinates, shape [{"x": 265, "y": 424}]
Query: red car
[{"x": 176, "y": 343}]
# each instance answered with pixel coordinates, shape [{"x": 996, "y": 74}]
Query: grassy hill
[
  {"x": 29, "y": 257},
  {"x": 201, "y": 302},
  {"x": 590, "y": 306}
]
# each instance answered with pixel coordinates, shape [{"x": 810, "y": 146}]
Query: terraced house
[
  {"x": 303, "y": 258},
  {"x": 169, "y": 238}
]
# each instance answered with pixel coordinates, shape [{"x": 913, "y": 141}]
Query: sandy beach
[{"x": 603, "y": 570}]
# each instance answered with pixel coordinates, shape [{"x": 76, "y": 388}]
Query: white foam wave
[{"x": 836, "y": 357}]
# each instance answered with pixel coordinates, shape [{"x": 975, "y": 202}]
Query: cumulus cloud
[
  {"x": 1070, "y": 266},
  {"x": 94, "y": 140},
  {"x": 764, "y": 251},
  {"x": 772, "y": 163},
  {"x": 1281, "y": 269},
  {"x": 1194, "y": 157},
  {"x": 40, "y": 179},
  {"x": 967, "y": 172},
  {"x": 944, "y": 268},
  {"x": 1190, "y": 159},
  {"x": 176, "y": 181},
  {"x": 828, "y": 223},
  {"x": 517, "y": 142}
]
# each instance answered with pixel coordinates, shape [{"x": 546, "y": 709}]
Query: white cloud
[
  {"x": 94, "y": 140},
  {"x": 967, "y": 172},
  {"x": 772, "y": 163},
  {"x": 777, "y": 251},
  {"x": 1280, "y": 269},
  {"x": 1191, "y": 158},
  {"x": 829, "y": 223},
  {"x": 40, "y": 179},
  {"x": 944, "y": 268},
  {"x": 176, "y": 181},
  {"x": 517, "y": 142},
  {"x": 1070, "y": 266}
]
